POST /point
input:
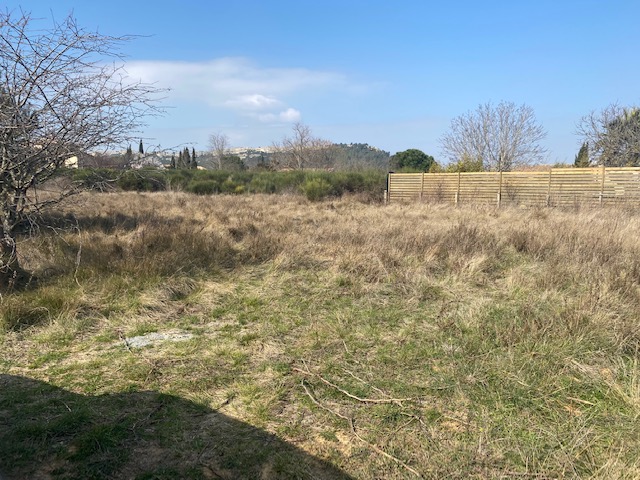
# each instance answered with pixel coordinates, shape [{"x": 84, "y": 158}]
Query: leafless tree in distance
[
  {"x": 503, "y": 137},
  {"x": 219, "y": 146},
  {"x": 303, "y": 150},
  {"x": 63, "y": 92},
  {"x": 613, "y": 136}
]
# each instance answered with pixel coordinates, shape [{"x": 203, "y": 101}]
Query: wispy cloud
[
  {"x": 239, "y": 86},
  {"x": 290, "y": 115},
  {"x": 253, "y": 102}
]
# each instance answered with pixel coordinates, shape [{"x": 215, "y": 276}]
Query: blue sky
[{"x": 389, "y": 73}]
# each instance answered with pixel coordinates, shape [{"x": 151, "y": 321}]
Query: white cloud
[
  {"x": 238, "y": 85},
  {"x": 253, "y": 102},
  {"x": 290, "y": 115}
]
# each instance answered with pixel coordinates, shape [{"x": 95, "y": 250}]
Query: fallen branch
[
  {"x": 355, "y": 433},
  {"x": 530, "y": 475},
  {"x": 397, "y": 401},
  {"x": 364, "y": 382},
  {"x": 323, "y": 407},
  {"x": 389, "y": 456}
]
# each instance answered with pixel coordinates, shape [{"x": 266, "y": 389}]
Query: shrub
[
  {"x": 229, "y": 186},
  {"x": 179, "y": 179},
  {"x": 203, "y": 187},
  {"x": 143, "y": 181},
  {"x": 262, "y": 183},
  {"x": 94, "y": 178},
  {"x": 316, "y": 189}
]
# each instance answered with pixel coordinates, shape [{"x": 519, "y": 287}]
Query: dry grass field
[{"x": 338, "y": 339}]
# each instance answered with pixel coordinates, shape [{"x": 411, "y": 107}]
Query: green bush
[
  {"x": 262, "y": 183},
  {"x": 229, "y": 185},
  {"x": 143, "y": 180},
  {"x": 316, "y": 189},
  {"x": 315, "y": 185},
  {"x": 179, "y": 179},
  {"x": 203, "y": 187},
  {"x": 94, "y": 178}
]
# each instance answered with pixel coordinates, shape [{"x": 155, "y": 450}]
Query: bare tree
[
  {"x": 302, "y": 150},
  {"x": 63, "y": 92},
  {"x": 613, "y": 136},
  {"x": 219, "y": 146},
  {"x": 502, "y": 137},
  {"x": 325, "y": 153}
]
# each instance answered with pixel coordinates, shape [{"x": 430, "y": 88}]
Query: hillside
[{"x": 347, "y": 156}]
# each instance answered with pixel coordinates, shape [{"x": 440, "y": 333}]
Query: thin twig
[
  {"x": 389, "y": 456},
  {"x": 355, "y": 434},
  {"x": 525, "y": 474},
  {"x": 364, "y": 382},
  {"x": 337, "y": 414},
  {"x": 126, "y": 343},
  {"x": 396, "y": 401}
]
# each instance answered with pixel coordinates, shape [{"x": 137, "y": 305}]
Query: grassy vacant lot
[{"x": 328, "y": 340}]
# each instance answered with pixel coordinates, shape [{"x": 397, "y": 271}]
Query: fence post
[
  {"x": 549, "y": 189},
  {"x": 602, "y": 185},
  {"x": 387, "y": 192},
  {"x": 500, "y": 189},
  {"x": 422, "y": 187},
  {"x": 458, "y": 190}
]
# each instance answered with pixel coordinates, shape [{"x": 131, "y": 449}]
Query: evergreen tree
[
  {"x": 186, "y": 157},
  {"x": 412, "y": 160},
  {"x": 128, "y": 156},
  {"x": 582, "y": 158},
  {"x": 194, "y": 163},
  {"x": 173, "y": 162},
  {"x": 140, "y": 148}
]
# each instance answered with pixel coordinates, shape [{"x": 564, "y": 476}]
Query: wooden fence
[{"x": 556, "y": 187}]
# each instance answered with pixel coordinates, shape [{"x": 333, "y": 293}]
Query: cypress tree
[
  {"x": 582, "y": 158},
  {"x": 128, "y": 156},
  {"x": 194, "y": 163},
  {"x": 140, "y": 148},
  {"x": 187, "y": 158}
]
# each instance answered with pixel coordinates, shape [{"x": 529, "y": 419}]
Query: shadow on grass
[{"x": 49, "y": 432}]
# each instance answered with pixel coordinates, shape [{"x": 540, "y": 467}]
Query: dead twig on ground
[
  {"x": 396, "y": 401},
  {"x": 349, "y": 420}
]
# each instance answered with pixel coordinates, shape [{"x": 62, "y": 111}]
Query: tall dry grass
[{"x": 498, "y": 343}]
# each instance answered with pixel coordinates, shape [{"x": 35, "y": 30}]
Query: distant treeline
[
  {"x": 342, "y": 156},
  {"x": 315, "y": 185}
]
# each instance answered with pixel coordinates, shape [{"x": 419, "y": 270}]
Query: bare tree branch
[
  {"x": 219, "y": 146},
  {"x": 613, "y": 136},
  {"x": 58, "y": 99},
  {"x": 502, "y": 137},
  {"x": 302, "y": 150}
]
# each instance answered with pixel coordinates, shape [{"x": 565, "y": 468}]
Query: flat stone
[{"x": 155, "y": 338}]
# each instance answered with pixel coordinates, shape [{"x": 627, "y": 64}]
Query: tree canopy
[
  {"x": 613, "y": 135},
  {"x": 411, "y": 160},
  {"x": 503, "y": 137},
  {"x": 582, "y": 158},
  {"x": 304, "y": 150}
]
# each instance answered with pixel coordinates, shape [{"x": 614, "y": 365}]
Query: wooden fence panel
[{"x": 556, "y": 187}]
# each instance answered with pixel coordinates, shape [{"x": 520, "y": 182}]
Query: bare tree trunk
[{"x": 11, "y": 274}]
